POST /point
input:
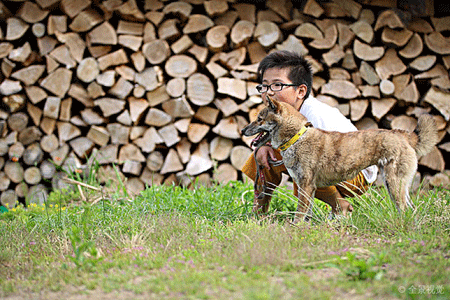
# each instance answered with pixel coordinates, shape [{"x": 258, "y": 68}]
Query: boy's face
[{"x": 294, "y": 95}]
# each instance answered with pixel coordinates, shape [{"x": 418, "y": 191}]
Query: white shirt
[{"x": 329, "y": 118}]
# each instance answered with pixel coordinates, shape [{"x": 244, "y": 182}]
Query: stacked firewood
[{"x": 158, "y": 91}]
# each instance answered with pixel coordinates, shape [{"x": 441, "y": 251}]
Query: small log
[
  {"x": 437, "y": 71},
  {"x": 366, "y": 123},
  {"x": 341, "y": 89},
  {"x": 169, "y": 134},
  {"x": 329, "y": 40},
  {"x": 85, "y": 21},
  {"x": 158, "y": 118},
  {"x": 48, "y": 125},
  {"x": 245, "y": 11},
  {"x": 38, "y": 30},
  {"x": 390, "y": 19},
  {"x": 155, "y": 161},
  {"x": 358, "y": 109},
  {"x": 67, "y": 131},
  {"x": 29, "y": 75},
  {"x": 366, "y": 52},
  {"x": 309, "y": 31},
  {"x": 215, "y": 8},
  {"x": 404, "y": 122},
  {"x": 103, "y": 34},
  {"x": 88, "y": 70},
  {"x": 227, "y": 106},
  {"x": 176, "y": 87},
  {"x": 433, "y": 160},
  {"x": 239, "y": 155},
  {"x": 182, "y": 44},
  {"x": 51, "y": 108},
  {"x": 137, "y": 108},
  {"x": 233, "y": 59},
  {"x": 110, "y": 106},
  {"x": 220, "y": 148},
  {"x": 423, "y": 63},
  {"x": 441, "y": 24},
  {"x": 17, "y": 121},
  {"x": 10, "y": 87},
  {"x": 387, "y": 88},
  {"x": 149, "y": 140},
  {"x": 132, "y": 167},
  {"x": 234, "y": 87},
  {"x": 74, "y": 42},
  {"x": 207, "y": 115},
  {"x": 440, "y": 100},
  {"x": 15, "y": 151},
  {"x": 241, "y": 33},
  {"x": 22, "y": 54},
  {"x": 312, "y": 8},
  {"x": 420, "y": 25},
  {"x": 21, "y": 190},
  {"x": 333, "y": 56},
  {"x": 178, "y": 108},
  {"x": 9, "y": 199},
  {"x": 363, "y": 31},
  {"x": 121, "y": 89},
  {"x": 180, "y": 66},
  {"x": 15, "y": 28},
  {"x": 172, "y": 163},
  {"x": 115, "y": 58},
  {"x": 58, "y": 82},
  {"x": 437, "y": 43},
  {"x": 157, "y": 96},
  {"x": 138, "y": 60},
  {"x": 179, "y": 9},
  {"x": 200, "y": 53},
  {"x": 390, "y": 65},
  {"x": 119, "y": 133},
  {"x": 370, "y": 91},
  {"x": 200, "y": 160},
  {"x": 398, "y": 38},
  {"x": 59, "y": 155},
  {"x": 29, "y": 135},
  {"x": 14, "y": 171},
  {"x": 32, "y": 175},
  {"x": 216, "y": 38},
  {"x": 200, "y": 89},
  {"x": 4, "y": 182},
  {"x": 73, "y": 8},
  {"x": 35, "y": 94},
  {"x": 225, "y": 173},
  {"x": 268, "y": 34},
  {"x": 91, "y": 117},
  {"x": 197, "y": 23},
  {"x": 98, "y": 135},
  {"x": 35, "y": 113},
  {"x": 197, "y": 132},
  {"x": 130, "y": 152},
  {"x": 151, "y": 178},
  {"x": 168, "y": 30},
  {"x": 49, "y": 143},
  {"x": 56, "y": 23},
  {"x": 47, "y": 169},
  {"x": 7, "y": 66},
  {"x": 293, "y": 44},
  {"x": 182, "y": 125},
  {"x": 184, "y": 150},
  {"x": 346, "y": 35},
  {"x": 227, "y": 128}
]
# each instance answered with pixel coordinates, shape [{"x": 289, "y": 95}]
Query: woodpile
[{"x": 161, "y": 89}]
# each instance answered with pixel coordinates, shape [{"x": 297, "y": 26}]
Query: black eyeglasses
[{"x": 275, "y": 87}]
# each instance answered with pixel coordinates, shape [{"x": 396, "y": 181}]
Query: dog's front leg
[{"x": 306, "y": 190}]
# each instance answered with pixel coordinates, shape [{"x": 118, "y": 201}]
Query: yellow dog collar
[{"x": 293, "y": 139}]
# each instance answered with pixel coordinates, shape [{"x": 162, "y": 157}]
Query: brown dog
[{"x": 317, "y": 158}]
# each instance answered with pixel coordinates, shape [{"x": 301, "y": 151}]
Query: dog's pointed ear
[{"x": 273, "y": 104}]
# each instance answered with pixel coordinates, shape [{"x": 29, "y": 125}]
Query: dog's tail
[{"x": 427, "y": 134}]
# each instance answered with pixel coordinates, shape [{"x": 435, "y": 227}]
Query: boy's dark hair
[{"x": 300, "y": 71}]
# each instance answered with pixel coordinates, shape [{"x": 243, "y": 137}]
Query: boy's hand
[{"x": 263, "y": 155}]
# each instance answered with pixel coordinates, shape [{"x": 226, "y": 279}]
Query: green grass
[{"x": 204, "y": 243}]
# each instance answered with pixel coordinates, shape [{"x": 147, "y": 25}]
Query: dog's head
[{"x": 266, "y": 122}]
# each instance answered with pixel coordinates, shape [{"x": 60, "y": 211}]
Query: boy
[{"x": 287, "y": 77}]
